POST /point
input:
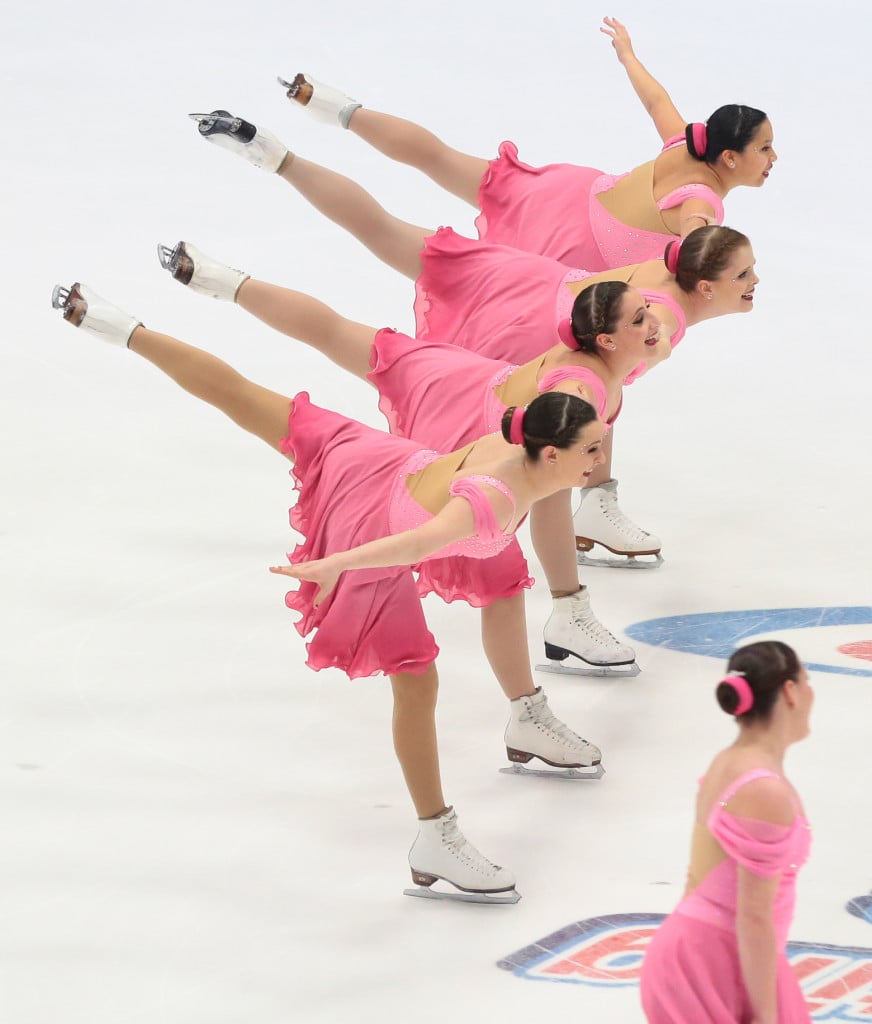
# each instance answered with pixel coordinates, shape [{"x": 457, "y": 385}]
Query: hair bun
[
  {"x": 744, "y": 694},
  {"x": 670, "y": 256},
  {"x": 516, "y": 430},
  {"x": 696, "y": 136},
  {"x": 566, "y": 334}
]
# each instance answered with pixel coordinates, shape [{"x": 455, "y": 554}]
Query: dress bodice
[
  {"x": 422, "y": 482},
  {"x": 640, "y": 233},
  {"x": 761, "y": 847}
]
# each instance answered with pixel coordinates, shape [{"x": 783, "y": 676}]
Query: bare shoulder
[{"x": 767, "y": 798}]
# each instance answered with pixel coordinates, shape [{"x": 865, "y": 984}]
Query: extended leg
[
  {"x": 261, "y": 412},
  {"x": 401, "y": 140},
  {"x": 393, "y": 241},
  {"x": 258, "y": 410},
  {"x": 346, "y": 342},
  {"x": 409, "y": 143},
  {"x": 294, "y": 313},
  {"x": 340, "y": 199}
]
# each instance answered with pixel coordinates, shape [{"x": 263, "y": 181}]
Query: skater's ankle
[
  {"x": 529, "y": 693},
  {"x": 285, "y": 166},
  {"x": 438, "y": 814},
  {"x": 556, "y": 594}
]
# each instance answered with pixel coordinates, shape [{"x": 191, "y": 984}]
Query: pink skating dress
[
  {"x": 691, "y": 971},
  {"x": 501, "y": 302},
  {"x": 351, "y": 483},
  {"x": 444, "y": 397},
  {"x": 554, "y": 211}
]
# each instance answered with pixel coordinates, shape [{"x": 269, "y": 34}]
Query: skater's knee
[{"x": 415, "y": 691}]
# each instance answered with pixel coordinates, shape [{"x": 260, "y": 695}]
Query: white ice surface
[{"x": 197, "y": 829}]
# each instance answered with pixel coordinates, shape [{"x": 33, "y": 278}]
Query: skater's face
[
  {"x": 752, "y": 165},
  {"x": 733, "y": 291},
  {"x": 580, "y": 459},
  {"x": 799, "y": 697},
  {"x": 638, "y": 329}
]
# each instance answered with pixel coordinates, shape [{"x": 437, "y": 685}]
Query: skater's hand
[
  {"x": 321, "y": 571},
  {"x": 620, "y": 38}
]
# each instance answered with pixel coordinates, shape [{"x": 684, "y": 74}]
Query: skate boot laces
[
  {"x": 458, "y": 846},
  {"x": 541, "y": 715},
  {"x": 616, "y": 518},
  {"x": 580, "y": 615}
]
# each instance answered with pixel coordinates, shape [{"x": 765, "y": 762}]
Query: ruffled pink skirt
[
  {"x": 345, "y": 473},
  {"x": 442, "y": 397},
  {"x": 691, "y": 974},
  {"x": 543, "y": 210},
  {"x": 494, "y": 300},
  {"x": 439, "y": 395}
]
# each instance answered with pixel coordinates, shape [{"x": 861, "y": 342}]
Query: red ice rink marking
[{"x": 860, "y": 649}]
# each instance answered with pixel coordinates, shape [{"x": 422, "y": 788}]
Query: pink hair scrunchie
[
  {"x": 516, "y": 430},
  {"x": 699, "y": 134},
  {"x": 671, "y": 255},
  {"x": 564, "y": 332},
  {"x": 746, "y": 694}
]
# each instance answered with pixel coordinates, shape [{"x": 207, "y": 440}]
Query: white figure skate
[
  {"x": 256, "y": 145},
  {"x": 442, "y": 852},
  {"x": 201, "y": 273},
  {"x": 573, "y": 630},
  {"x": 598, "y": 520},
  {"x": 323, "y": 102},
  {"x": 533, "y": 731},
  {"x": 83, "y": 308}
]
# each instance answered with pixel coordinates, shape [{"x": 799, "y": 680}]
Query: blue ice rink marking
[{"x": 717, "y": 634}]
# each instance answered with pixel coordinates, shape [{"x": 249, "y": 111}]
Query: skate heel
[
  {"x": 86, "y": 309},
  {"x": 176, "y": 261},
  {"x": 553, "y": 653},
  {"x": 191, "y": 267},
  {"x": 299, "y": 90},
  {"x": 323, "y": 102},
  {"x": 583, "y": 544},
  {"x": 71, "y": 303},
  {"x": 422, "y": 878},
  {"x": 518, "y": 756}
]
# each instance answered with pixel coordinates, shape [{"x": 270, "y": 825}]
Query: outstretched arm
[
  {"x": 654, "y": 97},
  {"x": 453, "y": 523}
]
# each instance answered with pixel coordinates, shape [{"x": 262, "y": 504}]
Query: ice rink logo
[
  {"x": 837, "y": 639},
  {"x": 608, "y": 952}
]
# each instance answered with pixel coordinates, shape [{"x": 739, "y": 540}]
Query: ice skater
[
  {"x": 501, "y": 301},
  {"x": 612, "y": 331},
  {"x": 370, "y": 507},
  {"x": 577, "y": 215},
  {"x": 719, "y": 957},
  {"x": 507, "y": 303}
]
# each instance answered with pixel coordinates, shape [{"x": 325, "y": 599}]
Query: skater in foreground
[{"x": 719, "y": 957}]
